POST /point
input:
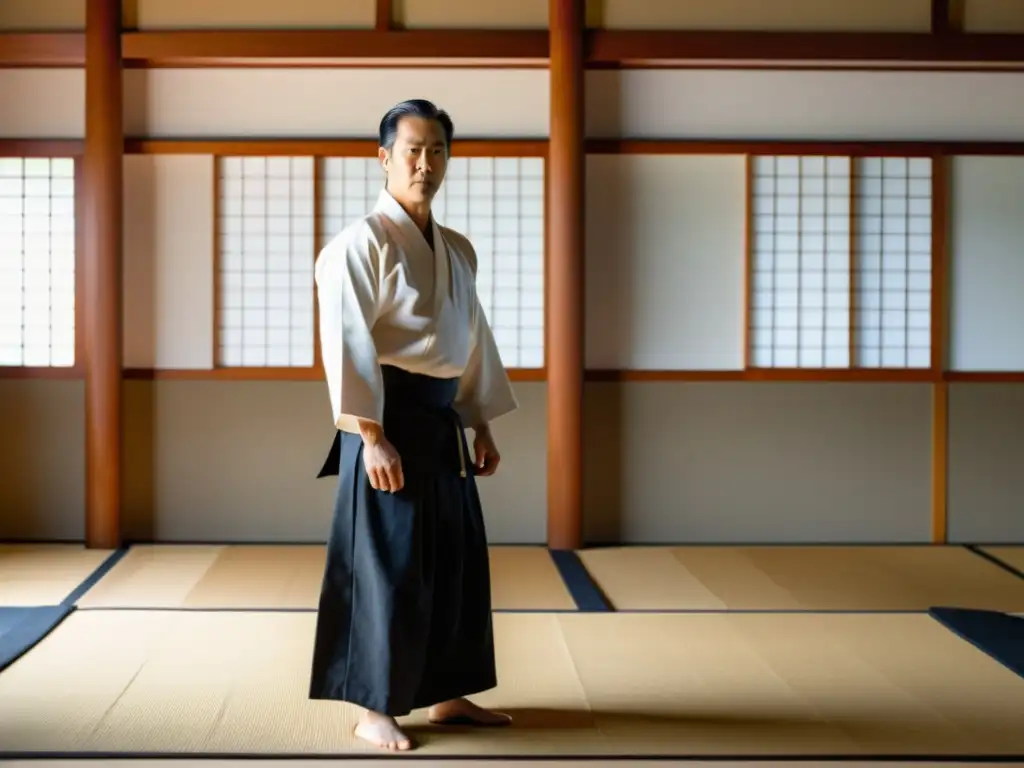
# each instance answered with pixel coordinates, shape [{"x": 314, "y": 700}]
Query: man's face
[{"x": 416, "y": 164}]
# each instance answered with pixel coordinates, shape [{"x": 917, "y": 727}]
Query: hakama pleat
[{"x": 404, "y": 616}]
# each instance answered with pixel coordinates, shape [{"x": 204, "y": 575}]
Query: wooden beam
[
  {"x": 984, "y": 377},
  {"x": 948, "y": 49},
  {"x": 884, "y": 50},
  {"x": 42, "y": 49},
  {"x": 939, "y": 337},
  {"x": 312, "y": 373},
  {"x": 594, "y": 375},
  {"x": 384, "y": 15},
  {"x": 526, "y": 147},
  {"x": 104, "y": 143},
  {"x": 280, "y": 47},
  {"x": 864, "y": 375},
  {"x": 565, "y": 215},
  {"x": 311, "y": 147},
  {"x": 940, "y": 462},
  {"x": 940, "y": 17},
  {"x": 41, "y": 147},
  {"x": 947, "y": 17},
  {"x": 863, "y": 148}
]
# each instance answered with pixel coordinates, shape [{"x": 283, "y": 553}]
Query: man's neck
[{"x": 419, "y": 213}]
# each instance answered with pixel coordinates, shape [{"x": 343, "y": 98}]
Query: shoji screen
[
  {"x": 841, "y": 264},
  {"x": 37, "y": 262},
  {"x": 265, "y": 262}
]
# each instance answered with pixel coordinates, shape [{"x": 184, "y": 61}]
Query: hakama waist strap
[{"x": 420, "y": 420}]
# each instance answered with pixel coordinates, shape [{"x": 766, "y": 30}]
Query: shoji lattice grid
[
  {"x": 893, "y": 265},
  {"x": 37, "y": 262},
  {"x": 800, "y": 270},
  {"x": 498, "y": 203},
  {"x": 349, "y": 188},
  {"x": 265, "y": 262}
]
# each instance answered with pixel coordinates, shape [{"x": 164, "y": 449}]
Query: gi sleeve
[
  {"x": 485, "y": 392},
  {"x": 349, "y": 301}
]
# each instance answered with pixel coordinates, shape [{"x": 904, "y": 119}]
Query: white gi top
[{"x": 386, "y": 299}]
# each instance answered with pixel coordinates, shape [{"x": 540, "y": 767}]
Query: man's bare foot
[
  {"x": 382, "y": 731},
  {"x": 465, "y": 712}
]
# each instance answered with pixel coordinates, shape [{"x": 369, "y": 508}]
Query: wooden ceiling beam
[
  {"x": 604, "y": 48},
  {"x": 223, "y": 47},
  {"x": 885, "y": 50},
  {"x": 467, "y": 47},
  {"x": 42, "y": 49}
]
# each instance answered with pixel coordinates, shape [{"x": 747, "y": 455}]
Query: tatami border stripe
[
  {"x": 93, "y": 578},
  {"x": 581, "y": 586},
  {"x": 995, "y": 560},
  {"x": 34, "y": 626}
]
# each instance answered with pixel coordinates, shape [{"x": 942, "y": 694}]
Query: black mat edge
[
  {"x": 977, "y": 627},
  {"x": 93, "y": 578},
  {"x": 584, "y": 590},
  {"x": 36, "y": 623},
  {"x": 977, "y": 550}
]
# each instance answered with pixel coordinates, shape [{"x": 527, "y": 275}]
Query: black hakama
[{"x": 404, "y": 618}]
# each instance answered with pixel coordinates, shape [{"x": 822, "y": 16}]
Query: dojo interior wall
[{"x": 669, "y": 457}]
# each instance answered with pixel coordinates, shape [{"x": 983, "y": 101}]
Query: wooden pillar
[
  {"x": 947, "y": 17},
  {"x": 565, "y": 361},
  {"x": 101, "y": 311},
  {"x": 940, "y": 388}
]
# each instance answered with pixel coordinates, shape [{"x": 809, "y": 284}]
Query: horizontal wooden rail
[
  {"x": 526, "y": 48},
  {"x": 873, "y": 148},
  {"x": 41, "y": 147},
  {"x": 269, "y": 374},
  {"x": 458, "y": 47},
  {"x": 317, "y": 147},
  {"x": 539, "y": 375},
  {"x": 42, "y": 49},
  {"x": 883, "y": 50},
  {"x": 989, "y": 377},
  {"x": 14, "y": 372},
  {"x": 766, "y": 374},
  {"x": 516, "y": 147}
]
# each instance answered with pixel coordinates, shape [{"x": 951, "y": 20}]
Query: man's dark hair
[{"x": 388, "y": 130}]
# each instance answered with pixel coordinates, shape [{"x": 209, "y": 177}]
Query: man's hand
[
  {"x": 383, "y": 464},
  {"x": 487, "y": 456}
]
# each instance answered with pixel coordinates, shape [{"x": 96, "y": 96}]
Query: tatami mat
[
  {"x": 288, "y": 577},
  {"x": 1012, "y": 556},
  {"x": 801, "y": 578},
  {"x": 44, "y": 574},
  {"x": 583, "y": 684}
]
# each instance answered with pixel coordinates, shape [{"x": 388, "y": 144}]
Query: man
[{"x": 404, "y": 619}]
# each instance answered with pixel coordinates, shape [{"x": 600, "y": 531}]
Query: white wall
[
  {"x": 986, "y": 270},
  {"x": 666, "y": 256},
  {"x": 335, "y": 103},
  {"x": 796, "y": 105},
  {"x": 42, "y": 104},
  {"x": 168, "y": 273}
]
